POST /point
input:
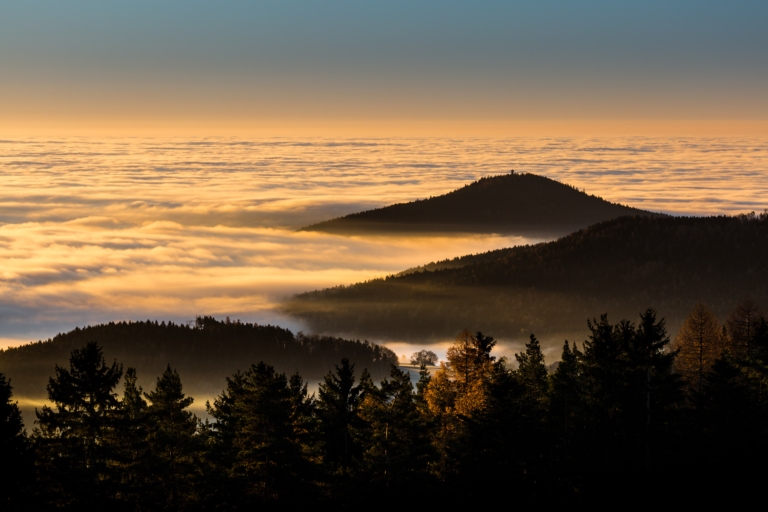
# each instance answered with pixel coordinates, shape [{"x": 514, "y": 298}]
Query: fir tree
[
  {"x": 731, "y": 426},
  {"x": 742, "y": 324},
  {"x": 15, "y": 450},
  {"x": 174, "y": 448},
  {"x": 397, "y": 445},
  {"x": 532, "y": 374},
  {"x": 337, "y": 409},
  {"x": 74, "y": 435},
  {"x": 129, "y": 439},
  {"x": 269, "y": 460},
  {"x": 566, "y": 419},
  {"x": 699, "y": 343}
]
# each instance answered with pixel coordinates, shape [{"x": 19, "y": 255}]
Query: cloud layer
[{"x": 109, "y": 229}]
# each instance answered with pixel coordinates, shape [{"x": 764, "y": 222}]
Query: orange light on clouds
[{"x": 346, "y": 128}]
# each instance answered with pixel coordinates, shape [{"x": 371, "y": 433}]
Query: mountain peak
[{"x": 514, "y": 203}]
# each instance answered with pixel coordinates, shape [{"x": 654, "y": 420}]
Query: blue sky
[{"x": 193, "y": 61}]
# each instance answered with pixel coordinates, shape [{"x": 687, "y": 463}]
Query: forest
[
  {"x": 626, "y": 416},
  {"x": 205, "y": 351},
  {"x": 619, "y": 265},
  {"x": 523, "y": 204}
]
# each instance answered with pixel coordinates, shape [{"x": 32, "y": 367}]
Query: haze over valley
[{"x": 97, "y": 230}]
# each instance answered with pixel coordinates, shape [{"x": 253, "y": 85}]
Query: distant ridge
[
  {"x": 620, "y": 267},
  {"x": 204, "y": 353},
  {"x": 521, "y": 204}
]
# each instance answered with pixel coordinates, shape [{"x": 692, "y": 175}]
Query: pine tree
[
  {"x": 337, "y": 409},
  {"x": 16, "y": 454},
  {"x": 397, "y": 445},
  {"x": 532, "y": 374},
  {"x": 130, "y": 443},
  {"x": 269, "y": 459},
  {"x": 566, "y": 397},
  {"x": 742, "y": 324},
  {"x": 74, "y": 435},
  {"x": 656, "y": 389},
  {"x": 631, "y": 393},
  {"x": 760, "y": 340},
  {"x": 421, "y": 386},
  {"x": 175, "y": 452},
  {"x": 731, "y": 425},
  {"x": 699, "y": 343},
  {"x": 567, "y": 420},
  {"x": 470, "y": 359}
]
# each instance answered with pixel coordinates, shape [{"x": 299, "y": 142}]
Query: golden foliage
[
  {"x": 700, "y": 342},
  {"x": 742, "y": 323},
  {"x": 459, "y": 388}
]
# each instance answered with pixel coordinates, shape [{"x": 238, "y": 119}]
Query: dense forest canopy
[
  {"x": 203, "y": 353},
  {"x": 620, "y": 420},
  {"x": 618, "y": 265},
  {"x": 521, "y": 204}
]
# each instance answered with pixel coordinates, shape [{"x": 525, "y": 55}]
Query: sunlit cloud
[{"x": 111, "y": 229}]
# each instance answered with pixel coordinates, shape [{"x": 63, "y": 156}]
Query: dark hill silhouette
[
  {"x": 619, "y": 266},
  {"x": 203, "y": 353},
  {"x": 521, "y": 204}
]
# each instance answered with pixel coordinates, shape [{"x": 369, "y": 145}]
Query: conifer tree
[
  {"x": 129, "y": 441},
  {"x": 699, "y": 343},
  {"x": 532, "y": 374},
  {"x": 760, "y": 340},
  {"x": 566, "y": 397},
  {"x": 221, "y": 489},
  {"x": 742, "y": 325},
  {"x": 269, "y": 461},
  {"x": 631, "y": 392},
  {"x": 74, "y": 435},
  {"x": 731, "y": 425},
  {"x": 15, "y": 450},
  {"x": 658, "y": 387},
  {"x": 337, "y": 409},
  {"x": 175, "y": 451},
  {"x": 397, "y": 445},
  {"x": 532, "y": 404},
  {"x": 567, "y": 406},
  {"x": 304, "y": 417}
]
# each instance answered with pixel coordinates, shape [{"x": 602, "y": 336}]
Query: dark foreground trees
[
  {"x": 613, "y": 423},
  {"x": 15, "y": 455}
]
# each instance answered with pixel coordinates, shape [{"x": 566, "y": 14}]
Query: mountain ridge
[
  {"x": 515, "y": 203},
  {"x": 620, "y": 267}
]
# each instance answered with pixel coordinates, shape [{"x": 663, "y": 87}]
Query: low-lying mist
[{"x": 94, "y": 230}]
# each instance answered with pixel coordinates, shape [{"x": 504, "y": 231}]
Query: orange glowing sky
[{"x": 395, "y": 68}]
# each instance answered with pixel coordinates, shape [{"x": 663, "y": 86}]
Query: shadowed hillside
[
  {"x": 521, "y": 204},
  {"x": 203, "y": 353},
  {"x": 619, "y": 266}
]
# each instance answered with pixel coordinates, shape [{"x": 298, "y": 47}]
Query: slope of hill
[
  {"x": 204, "y": 353},
  {"x": 521, "y": 204},
  {"x": 619, "y": 266}
]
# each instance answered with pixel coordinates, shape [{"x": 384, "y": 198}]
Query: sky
[
  {"x": 156, "y": 158},
  {"x": 383, "y": 68}
]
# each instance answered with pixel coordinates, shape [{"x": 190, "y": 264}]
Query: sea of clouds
[{"x": 94, "y": 230}]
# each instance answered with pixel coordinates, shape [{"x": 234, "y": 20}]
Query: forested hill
[
  {"x": 620, "y": 266},
  {"x": 521, "y": 204},
  {"x": 203, "y": 353}
]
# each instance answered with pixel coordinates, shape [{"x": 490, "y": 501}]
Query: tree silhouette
[
  {"x": 743, "y": 325},
  {"x": 174, "y": 462},
  {"x": 424, "y": 357},
  {"x": 699, "y": 343},
  {"x": 337, "y": 409},
  {"x": 74, "y": 435},
  {"x": 15, "y": 450}
]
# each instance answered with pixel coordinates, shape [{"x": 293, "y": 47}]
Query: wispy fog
[{"x": 110, "y": 229}]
